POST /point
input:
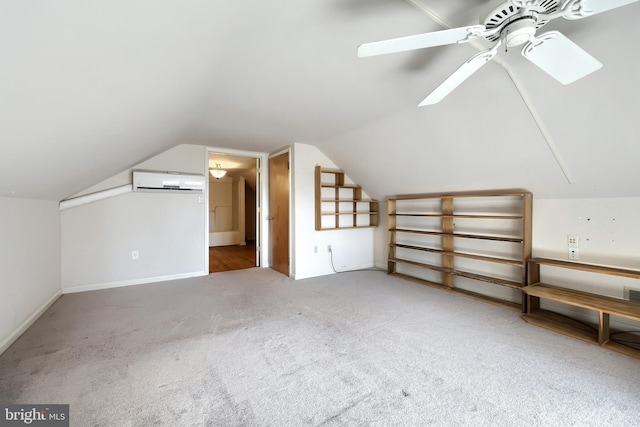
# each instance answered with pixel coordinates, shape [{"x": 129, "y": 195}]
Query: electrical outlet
[
  {"x": 572, "y": 240},
  {"x": 315, "y": 249},
  {"x": 135, "y": 255},
  {"x": 573, "y": 254},
  {"x": 328, "y": 248}
]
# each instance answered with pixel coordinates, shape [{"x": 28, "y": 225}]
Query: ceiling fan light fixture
[
  {"x": 519, "y": 32},
  {"x": 217, "y": 172}
]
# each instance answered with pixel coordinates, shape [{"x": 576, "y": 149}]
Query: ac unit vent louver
[{"x": 167, "y": 182}]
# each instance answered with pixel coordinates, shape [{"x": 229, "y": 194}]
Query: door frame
[{"x": 262, "y": 202}]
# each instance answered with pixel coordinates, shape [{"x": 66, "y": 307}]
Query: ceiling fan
[{"x": 512, "y": 23}]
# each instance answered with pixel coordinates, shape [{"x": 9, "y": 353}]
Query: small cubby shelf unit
[
  {"x": 603, "y": 306},
  {"x": 340, "y": 205},
  {"x": 476, "y": 244}
]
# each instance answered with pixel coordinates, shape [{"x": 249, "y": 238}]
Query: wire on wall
[{"x": 348, "y": 271}]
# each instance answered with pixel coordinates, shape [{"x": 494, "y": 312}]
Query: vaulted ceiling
[{"x": 90, "y": 88}]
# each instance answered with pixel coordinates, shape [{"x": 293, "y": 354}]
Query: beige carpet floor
[{"x": 254, "y": 348}]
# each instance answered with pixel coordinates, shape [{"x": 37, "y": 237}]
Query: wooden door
[{"x": 279, "y": 213}]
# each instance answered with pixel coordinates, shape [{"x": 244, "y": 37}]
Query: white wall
[
  {"x": 381, "y": 236},
  {"x": 167, "y": 230},
  {"x": 352, "y": 248},
  {"x": 29, "y": 263},
  {"x": 220, "y": 204},
  {"x": 608, "y": 228},
  {"x": 182, "y": 158}
]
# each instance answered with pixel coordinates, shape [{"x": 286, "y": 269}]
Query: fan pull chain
[{"x": 503, "y": 37}]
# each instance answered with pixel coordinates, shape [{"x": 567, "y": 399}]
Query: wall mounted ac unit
[{"x": 167, "y": 182}]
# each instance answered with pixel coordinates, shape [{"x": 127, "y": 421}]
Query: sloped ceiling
[{"x": 90, "y": 88}]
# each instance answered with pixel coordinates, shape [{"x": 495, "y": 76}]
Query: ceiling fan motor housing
[{"x": 514, "y": 24}]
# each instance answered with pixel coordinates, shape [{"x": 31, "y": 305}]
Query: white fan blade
[
  {"x": 459, "y": 76},
  {"x": 420, "y": 41},
  {"x": 559, "y": 57},
  {"x": 591, "y": 7}
]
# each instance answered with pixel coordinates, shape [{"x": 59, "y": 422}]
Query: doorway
[
  {"x": 233, "y": 211},
  {"x": 279, "y": 213}
]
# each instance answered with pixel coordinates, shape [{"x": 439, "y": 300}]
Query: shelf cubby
[{"x": 340, "y": 205}]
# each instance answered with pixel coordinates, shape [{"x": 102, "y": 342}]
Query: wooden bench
[{"x": 605, "y": 306}]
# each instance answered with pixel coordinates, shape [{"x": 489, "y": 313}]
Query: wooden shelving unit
[
  {"x": 340, "y": 205},
  {"x": 465, "y": 243},
  {"x": 605, "y": 306}
]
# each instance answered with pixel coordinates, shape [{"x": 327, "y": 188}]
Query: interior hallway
[{"x": 227, "y": 258}]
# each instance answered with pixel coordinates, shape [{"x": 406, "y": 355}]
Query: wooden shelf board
[
  {"x": 434, "y": 215},
  {"x": 348, "y": 186},
  {"x": 460, "y": 273},
  {"x": 618, "y": 307},
  {"x": 513, "y": 262},
  {"x": 562, "y": 324},
  {"x": 420, "y": 265},
  {"x": 462, "y": 195},
  {"x": 623, "y": 272},
  {"x": 491, "y": 300},
  {"x": 349, "y": 213},
  {"x": 460, "y": 235},
  {"x": 334, "y": 171},
  {"x": 405, "y": 230},
  {"x": 488, "y": 279},
  {"x": 417, "y": 248},
  {"x": 495, "y": 238},
  {"x": 346, "y": 228},
  {"x": 348, "y": 201},
  {"x": 479, "y": 297}
]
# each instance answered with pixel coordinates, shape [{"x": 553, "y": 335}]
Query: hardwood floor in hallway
[{"x": 226, "y": 258}]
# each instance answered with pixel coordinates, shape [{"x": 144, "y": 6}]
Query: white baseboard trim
[
  {"x": 358, "y": 267},
  {"x": 381, "y": 266},
  {"x": 133, "y": 282},
  {"x": 6, "y": 343},
  {"x": 348, "y": 269}
]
